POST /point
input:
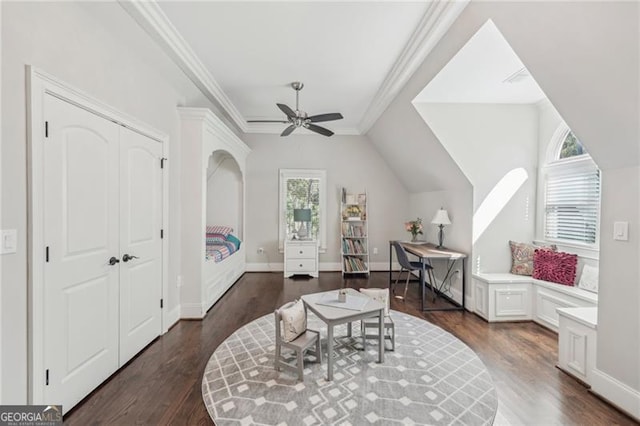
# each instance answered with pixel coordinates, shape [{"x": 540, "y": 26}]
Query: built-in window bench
[
  {"x": 577, "y": 340},
  {"x": 510, "y": 297}
]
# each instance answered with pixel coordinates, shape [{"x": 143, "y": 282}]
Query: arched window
[{"x": 572, "y": 192}]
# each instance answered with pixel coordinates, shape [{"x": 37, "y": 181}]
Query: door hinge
[
  {"x": 46, "y": 256},
  {"x": 46, "y": 377},
  {"x": 162, "y": 160},
  {"x": 161, "y": 233},
  {"x": 46, "y": 129},
  {"x": 161, "y": 303}
]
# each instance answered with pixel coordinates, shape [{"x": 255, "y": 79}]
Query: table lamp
[
  {"x": 441, "y": 219},
  {"x": 304, "y": 217}
]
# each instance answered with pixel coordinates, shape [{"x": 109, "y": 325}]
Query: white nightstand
[{"x": 301, "y": 258}]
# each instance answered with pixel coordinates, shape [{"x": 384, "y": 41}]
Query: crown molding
[
  {"x": 151, "y": 17},
  {"x": 436, "y": 21}
]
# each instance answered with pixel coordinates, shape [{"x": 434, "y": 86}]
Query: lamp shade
[
  {"x": 441, "y": 218},
  {"x": 302, "y": 215}
]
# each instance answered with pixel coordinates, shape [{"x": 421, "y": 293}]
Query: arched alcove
[{"x": 224, "y": 192}]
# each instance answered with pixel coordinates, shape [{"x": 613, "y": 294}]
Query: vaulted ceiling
[{"x": 353, "y": 57}]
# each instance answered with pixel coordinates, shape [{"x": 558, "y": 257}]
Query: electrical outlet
[
  {"x": 260, "y": 250},
  {"x": 375, "y": 250}
]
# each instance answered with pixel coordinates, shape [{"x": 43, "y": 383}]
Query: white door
[
  {"x": 103, "y": 200},
  {"x": 140, "y": 242},
  {"x": 81, "y": 223}
]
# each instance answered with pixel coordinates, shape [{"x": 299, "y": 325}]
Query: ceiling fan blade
[
  {"x": 325, "y": 117},
  {"x": 288, "y": 111},
  {"x": 288, "y": 130},
  {"x": 268, "y": 121},
  {"x": 318, "y": 129}
]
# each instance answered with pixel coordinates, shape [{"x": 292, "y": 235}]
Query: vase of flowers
[{"x": 415, "y": 227}]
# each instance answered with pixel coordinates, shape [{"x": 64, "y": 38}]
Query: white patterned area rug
[{"x": 431, "y": 378}]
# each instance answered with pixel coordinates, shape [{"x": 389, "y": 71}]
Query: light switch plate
[
  {"x": 621, "y": 231},
  {"x": 8, "y": 241}
]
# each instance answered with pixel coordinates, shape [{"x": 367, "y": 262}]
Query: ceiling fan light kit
[{"x": 299, "y": 118}]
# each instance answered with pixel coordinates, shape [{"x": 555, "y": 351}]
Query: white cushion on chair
[
  {"x": 294, "y": 321},
  {"x": 379, "y": 294}
]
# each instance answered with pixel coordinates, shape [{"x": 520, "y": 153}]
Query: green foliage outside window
[
  {"x": 571, "y": 147},
  {"x": 303, "y": 193}
]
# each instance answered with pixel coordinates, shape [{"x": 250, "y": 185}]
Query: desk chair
[
  {"x": 382, "y": 296},
  {"x": 409, "y": 266},
  {"x": 299, "y": 345}
]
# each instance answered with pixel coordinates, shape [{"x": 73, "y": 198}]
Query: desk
[
  {"x": 336, "y": 316},
  {"x": 427, "y": 252}
]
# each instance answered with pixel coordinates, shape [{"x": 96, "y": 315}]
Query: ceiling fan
[{"x": 299, "y": 118}]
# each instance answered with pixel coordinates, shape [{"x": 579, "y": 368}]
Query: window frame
[
  {"x": 285, "y": 175},
  {"x": 556, "y": 165}
]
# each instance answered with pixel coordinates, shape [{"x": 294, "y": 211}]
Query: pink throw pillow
[{"x": 556, "y": 267}]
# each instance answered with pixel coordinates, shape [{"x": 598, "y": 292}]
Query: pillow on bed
[
  {"x": 215, "y": 239},
  {"x": 234, "y": 240},
  {"x": 220, "y": 230}
]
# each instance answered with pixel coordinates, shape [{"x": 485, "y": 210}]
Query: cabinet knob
[
  {"x": 301, "y": 265},
  {"x": 300, "y": 251}
]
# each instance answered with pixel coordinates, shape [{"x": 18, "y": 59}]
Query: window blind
[{"x": 572, "y": 204}]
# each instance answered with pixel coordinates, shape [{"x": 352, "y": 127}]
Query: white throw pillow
[
  {"x": 379, "y": 294},
  {"x": 294, "y": 321},
  {"x": 589, "y": 278}
]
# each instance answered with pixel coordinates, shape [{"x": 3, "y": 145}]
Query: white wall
[
  {"x": 349, "y": 161},
  {"x": 459, "y": 205},
  {"x": 487, "y": 141},
  {"x": 224, "y": 194},
  {"x": 585, "y": 57},
  {"x": 99, "y": 49}
]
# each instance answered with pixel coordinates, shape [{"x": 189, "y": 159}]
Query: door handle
[
  {"x": 113, "y": 260},
  {"x": 128, "y": 257}
]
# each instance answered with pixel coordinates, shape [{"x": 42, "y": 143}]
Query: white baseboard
[
  {"x": 265, "y": 267},
  {"x": 191, "y": 311},
  {"x": 172, "y": 317},
  {"x": 617, "y": 393},
  {"x": 323, "y": 267}
]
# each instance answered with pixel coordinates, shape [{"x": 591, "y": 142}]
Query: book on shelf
[
  {"x": 353, "y": 247},
  {"x": 354, "y": 264},
  {"x": 353, "y": 230}
]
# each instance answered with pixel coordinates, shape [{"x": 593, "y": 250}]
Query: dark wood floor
[{"x": 162, "y": 384}]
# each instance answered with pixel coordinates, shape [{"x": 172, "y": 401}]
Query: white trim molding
[
  {"x": 322, "y": 267},
  {"x": 151, "y": 17},
  {"x": 436, "y": 21},
  {"x": 617, "y": 393},
  {"x": 172, "y": 317}
]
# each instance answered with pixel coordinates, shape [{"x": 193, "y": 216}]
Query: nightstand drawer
[
  {"x": 301, "y": 252},
  {"x": 301, "y": 265}
]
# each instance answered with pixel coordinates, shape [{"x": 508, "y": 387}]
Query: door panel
[
  {"x": 141, "y": 221},
  {"x": 80, "y": 229}
]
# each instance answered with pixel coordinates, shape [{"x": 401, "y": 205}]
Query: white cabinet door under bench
[{"x": 502, "y": 297}]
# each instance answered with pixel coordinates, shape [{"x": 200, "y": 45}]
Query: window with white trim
[{"x": 572, "y": 194}]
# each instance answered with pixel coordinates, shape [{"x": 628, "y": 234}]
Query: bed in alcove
[
  {"x": 213, "y": 198},
  {"x": 224, "y": 251}
]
